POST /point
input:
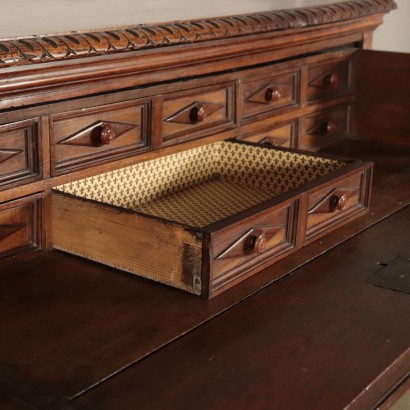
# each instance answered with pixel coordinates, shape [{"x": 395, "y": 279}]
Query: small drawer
[
  {"x": 329, "y": 79},
  {"x": 86, "y": 137},
  {"x": 277, "y": 136},
  {"x": 337, "y": 203},
  {"x": 324, "y": 127},
  {"x": 191, "y": 114},
  {"x": 269, "y": 94},
  {"x": 19, "y": 153},
  {"x": 200, "y": 220},
  {"x": 20, "y": 226},
  {"x": 242, "y": 248}
]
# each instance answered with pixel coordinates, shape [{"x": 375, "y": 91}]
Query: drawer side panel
[{"x": 157, "y": 250}]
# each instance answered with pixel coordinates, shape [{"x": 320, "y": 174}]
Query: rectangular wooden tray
[{"x": 206, "y": 218}]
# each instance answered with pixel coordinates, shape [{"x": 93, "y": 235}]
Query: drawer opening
[{"x": 203, "y": 185}]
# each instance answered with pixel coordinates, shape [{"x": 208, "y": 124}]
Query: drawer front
[
  {"x": 280, "y": 136},
  {"x": 326, "y": 80},
  {"x": 324, "y": 127},
  {"x": 19, "y": 153},
  {"x": 329, "y": 207},
  {"x": 252, "y": 243},
  {"x": 84, "y": 137},
  {"x": 20, "y": 226},
  {"x": 270, "y": 94},
  {"x": 192, "y": 114}
]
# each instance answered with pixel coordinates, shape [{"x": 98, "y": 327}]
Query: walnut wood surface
[
  {"x": 316, "y": 340},
  {"x": 37, "y": 49},
  {"x": 381, "y": 77},
  {"x": 145, "y": 246}
]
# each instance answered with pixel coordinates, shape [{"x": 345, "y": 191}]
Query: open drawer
[{"x": 206, "y": 218}]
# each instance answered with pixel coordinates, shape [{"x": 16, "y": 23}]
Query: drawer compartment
[
  {"x": 277, "y": 136},
  {"x": 338, "y": 202},
  {"x": 20, "y": 226},
  {"x": 200, "y": 220},
  {"x": 270, "y": 94},
  {"x": 86, "y": 137},
  {"x": 329, "y": 79},
  {"x": 191, "y": 114},
  {"x": 19, "y": 153},
  {"x": 324, "y": 128}
]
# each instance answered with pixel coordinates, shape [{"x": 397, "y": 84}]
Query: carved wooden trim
[
  {"x": 7, "y": 230},
  {"x": 6, "y": 154},
  {"x": 38, "y": 49}
]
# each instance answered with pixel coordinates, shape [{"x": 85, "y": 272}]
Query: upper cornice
[{"x": 48, "y": 48}]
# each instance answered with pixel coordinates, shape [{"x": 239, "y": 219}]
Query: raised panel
[
  {"x": 324, "y": 127},
  {"x": 330, "y": 206},
  {"x": 85, "y": 137},
  {"x": 329, "y": 79},
  {"x": 19, "y": 153},
  {"x": 270, "y": 93},
  {"x": 191, "y": 114},
  {"x": 20, "y": 226},
  {"x": 239, "y": 248}
]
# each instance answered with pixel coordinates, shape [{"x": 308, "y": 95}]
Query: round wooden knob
[
  {"x": 272, "y": 94},
  {"x": 331, "y": 80},
  {"x": 338, "y": 202},
  {"x": 198, "y": 114},
  {"x": 329, "y": 127},
  {"x": 107, "y": 134},
  {"x": 259, "y": 243}
]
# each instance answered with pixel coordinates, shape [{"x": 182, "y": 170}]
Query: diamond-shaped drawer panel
[
  {"x": 328, "y": 79},
  {"x": 20, "y": 226},
  {"x": 324, "y": 127},
  {"x": 19, "y": 153},
  {"x": 337, "y": 203},
  {"x": 98, "y": 134},
  {"x": 195, "y": 113},
  {"x": 270, "y": 93}
]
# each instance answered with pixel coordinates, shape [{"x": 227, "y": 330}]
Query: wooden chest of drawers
[{"x": 265, "y": 78}]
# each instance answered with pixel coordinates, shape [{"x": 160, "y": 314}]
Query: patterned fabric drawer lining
[{"x": 205, "y": 184}]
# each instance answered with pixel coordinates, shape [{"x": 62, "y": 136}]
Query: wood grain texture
[
  {"x": 145, "y": 246},
  {"x": 382, "y": 78},
  {"x": 316, "y": 340},
  {"x": 74, "y": 45}
]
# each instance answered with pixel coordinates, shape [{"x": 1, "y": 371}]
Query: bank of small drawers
[{"x": 293, "y": 104}]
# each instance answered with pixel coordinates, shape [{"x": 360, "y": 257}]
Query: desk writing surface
[{"x": 26, "y": 18}]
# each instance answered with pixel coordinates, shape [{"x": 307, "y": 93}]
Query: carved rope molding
[{"x": 38, "y": 49}]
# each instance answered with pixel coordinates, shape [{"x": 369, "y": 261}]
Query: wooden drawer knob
[
  {"x": 258, "y": 243},
  {"x": 272, "y": 94},
  {"x": 331, "y": 80},
  {"x": 107, "y": 134},
  {"x": 329, "y": 127},
  {"x": 337, "y": 202},
  {"x": 198, "y": 114}
]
